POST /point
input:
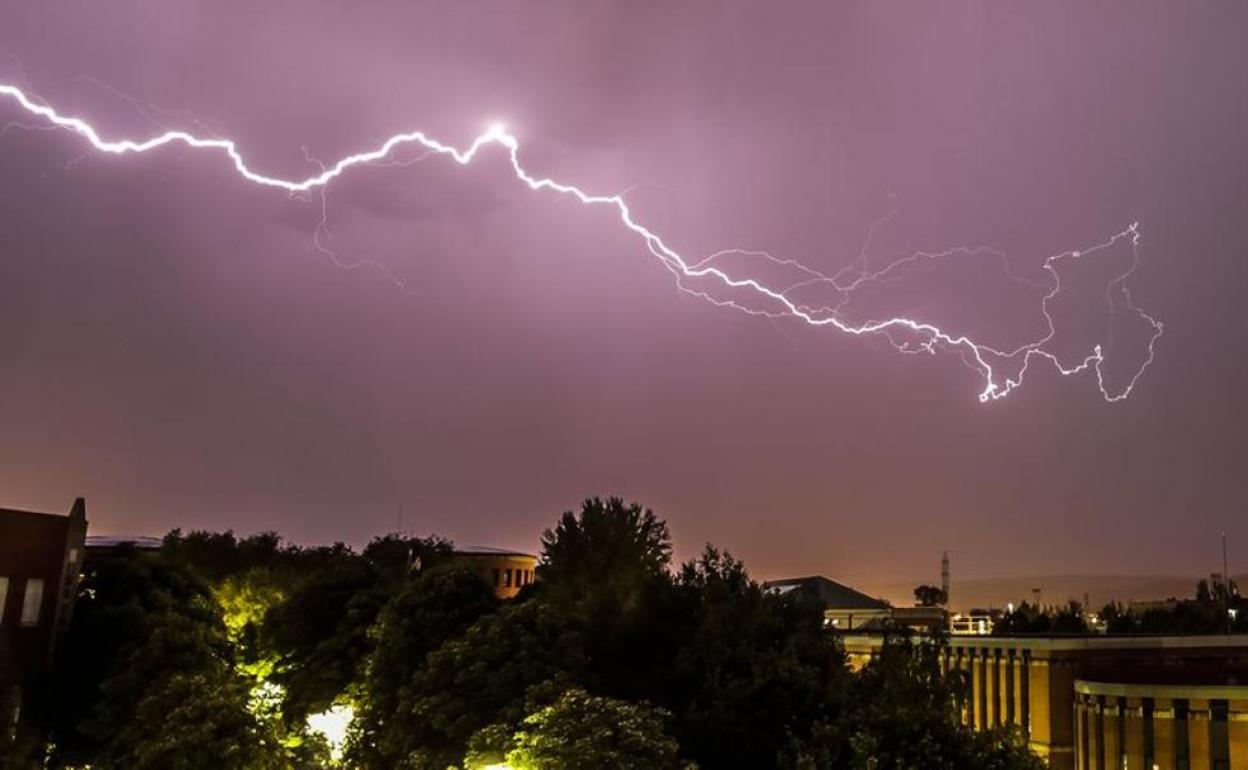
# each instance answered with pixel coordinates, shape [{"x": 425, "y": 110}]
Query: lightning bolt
[{"x": 921, "y": 336}]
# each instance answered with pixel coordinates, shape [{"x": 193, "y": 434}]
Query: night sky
[{"x": 175, "y": 347}]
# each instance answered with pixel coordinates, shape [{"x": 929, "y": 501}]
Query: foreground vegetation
[{"x": 226, "y": 653}]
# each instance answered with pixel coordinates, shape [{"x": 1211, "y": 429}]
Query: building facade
[
  {"x": 1106, "y": 702},
  {"x": 40, "y": 559},
  {"x": 507, "y": 572}
]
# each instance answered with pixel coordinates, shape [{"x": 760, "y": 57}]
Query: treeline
[
  {"x": 215, "y": 652},
  {"x": 1213, "y": 611}
]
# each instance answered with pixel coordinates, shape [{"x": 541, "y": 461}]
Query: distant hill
[{"x": 1054, "y": 589}]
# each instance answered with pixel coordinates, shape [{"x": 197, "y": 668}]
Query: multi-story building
[
  {"x": 40, "y": 558},
  {"x": 1106, "y": 702}
]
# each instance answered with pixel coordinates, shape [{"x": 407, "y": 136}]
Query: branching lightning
[{"x": 1001, "y": 371}]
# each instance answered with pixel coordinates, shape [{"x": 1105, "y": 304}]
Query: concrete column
[
  {"x": 1061, "y": 706},
  {"x": 1163, "y": 734},
  {"x": 1133, "y": 721},
  {"x": 1238, "y": 728},
  {"x": 965, "y": 703},
  {"x": 1198, "y": 734},
  {"x": 1081, "y": 758},
  {"x": 1038, "y": 705},
  {"x": 1109, "y": 737},
  {"x": 978, "y": 700},
  {"x": 1021, "y": 701},
  {"x": 992, "y": 679},
  {"x": 1008, "y": 689},
  {"x": 1096, "y": 740}
]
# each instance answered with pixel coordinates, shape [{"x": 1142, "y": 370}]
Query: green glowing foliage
[
  {"x": 244, "y": 599},
  {"x": 146, "y": 677},
  {"x": 431, "y": 608},
  {"x": 580, "y": 731}
]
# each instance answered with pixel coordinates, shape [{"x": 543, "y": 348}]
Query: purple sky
[{"x": 175, "y": 349}]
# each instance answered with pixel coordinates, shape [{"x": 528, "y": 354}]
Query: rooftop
[
  {"x": 141, "y": 542},
  {"x": 488, "y": 550},
  {"x": 834, "y": 595}
]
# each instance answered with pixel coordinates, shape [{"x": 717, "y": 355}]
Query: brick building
[{"x": 40, "y": 559}]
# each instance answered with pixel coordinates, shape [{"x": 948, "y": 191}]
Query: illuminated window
[
  {"x": 507, "y": 578},
  {"x": 4, "y": 595},
  {"x": 32, "y": 602}
]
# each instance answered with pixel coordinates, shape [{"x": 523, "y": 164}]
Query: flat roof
[
  {"x": 1074, "y": 643},
  {"x": 144, "y": 542},
  {"x": 488, "y": 550}
]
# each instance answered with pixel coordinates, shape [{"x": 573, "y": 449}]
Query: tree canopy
[{"x": 230, "y": 652}]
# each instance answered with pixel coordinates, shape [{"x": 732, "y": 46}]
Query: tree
[
  {"x": 495, "y": 672},
  {"x": 1069, "y": 619},
  {"x": 929, "y": 596},
  {"x": 580, "y": 731},
  {"x": 902, "y": 719},
  {"x": 320, "y": 636},
  {"x": 751, "y": 671},
  {"x": 177, "y": 714},
  {"x": 1202, "y": 592},
  {"x": 145, "y": 675},
  {"x": 1031, "y": 619},
  {"x": 609, "y": 547},
  {"x": 428, "y": 611},
  {"x": 1117, "y": 619},
  {"x": 604, "y": 572}
]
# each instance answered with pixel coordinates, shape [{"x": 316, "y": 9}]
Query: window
[
  {"x": 507, "y": 578},
  {"x": 4, "y": 594},
  {"x": 32, "y": 603},
  {"x": 498, "y": 578}
]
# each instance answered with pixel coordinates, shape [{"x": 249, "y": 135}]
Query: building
[
  {"x": 505, "y": 571},
  {"x": 40, "y": 558},
  {"x": 1106, "y": 702},
  {"x": 843, "y": 608},
  {"x": 976, "y": 622},
  {"x": 101, "y": 545},
  {"x": 927, "y": 619}
]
